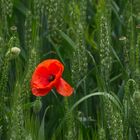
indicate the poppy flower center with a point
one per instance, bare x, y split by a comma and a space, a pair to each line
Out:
51, 78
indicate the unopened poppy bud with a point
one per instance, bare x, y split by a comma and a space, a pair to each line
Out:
138, 26
1, 39
13, 52
136, 96
122, 38
13, 28
37, 106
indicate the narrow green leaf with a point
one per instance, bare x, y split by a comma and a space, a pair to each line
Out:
67, 40
112, 98
57, 50
41, 134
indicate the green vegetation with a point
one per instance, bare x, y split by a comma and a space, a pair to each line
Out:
98, 41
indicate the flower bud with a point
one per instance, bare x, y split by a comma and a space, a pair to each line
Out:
37, 106
13, 28
13, 52
122, 38
136, 96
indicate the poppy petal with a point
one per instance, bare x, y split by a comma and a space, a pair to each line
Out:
64, 88
39, 78
40, 92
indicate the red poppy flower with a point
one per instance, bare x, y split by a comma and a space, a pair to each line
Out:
48, 75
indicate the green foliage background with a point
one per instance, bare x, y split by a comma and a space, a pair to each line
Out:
98, 41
